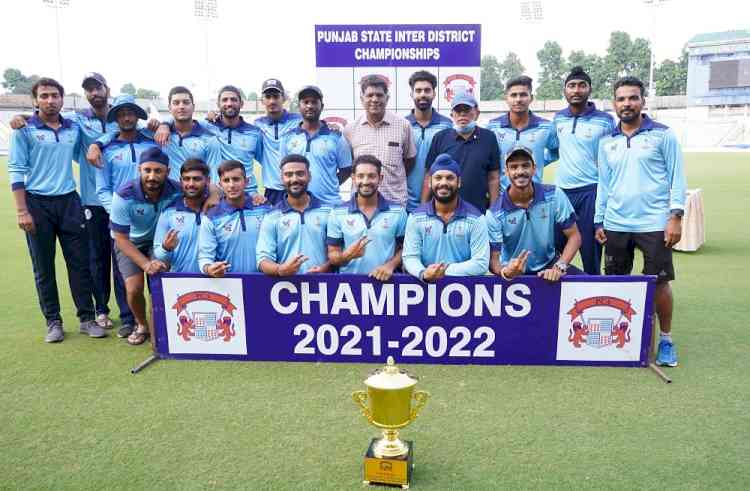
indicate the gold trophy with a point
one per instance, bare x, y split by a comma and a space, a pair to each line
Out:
387, 405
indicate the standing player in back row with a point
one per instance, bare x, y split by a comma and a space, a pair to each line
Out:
641, 201
579, 128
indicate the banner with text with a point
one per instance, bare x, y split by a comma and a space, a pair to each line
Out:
582, 320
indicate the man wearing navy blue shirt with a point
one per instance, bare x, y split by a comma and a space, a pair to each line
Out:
578, 129
523, 221
476, 151
327, 150
447, 236
641, 201
49, 208
366, 234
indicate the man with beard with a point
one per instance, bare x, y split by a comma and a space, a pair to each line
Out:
293, 235
447, 236
522, 223
136, 207
476, 151
176, 236
367, 218
425, 123
579, 128
274, 125
40, 167
388, 137
229, 233
641, 200
327, 150
522, 127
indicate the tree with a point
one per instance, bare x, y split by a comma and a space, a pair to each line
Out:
552, 76
510, 68
626, 57
128, 88
15, 82
595, 66
670, 78
142, 93
252, 96
490, 79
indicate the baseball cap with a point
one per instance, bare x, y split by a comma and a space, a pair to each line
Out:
154, 154
463, 99
125, 100
519, 149
310, 90
93, 76
272, 84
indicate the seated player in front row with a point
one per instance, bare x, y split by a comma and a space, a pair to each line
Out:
229, 233
365, 235
522, 221
446, 236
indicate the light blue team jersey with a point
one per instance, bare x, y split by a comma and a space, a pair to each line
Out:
198, 144
41, 159
328, 151
273, 131
181, 218
231, 234
641, 179
538, 136
513, 229
119, 165
243, 143
136, 216
462, 242
385, 230
422, 140
578, 139
286, 232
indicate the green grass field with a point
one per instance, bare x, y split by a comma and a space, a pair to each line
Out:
73, 417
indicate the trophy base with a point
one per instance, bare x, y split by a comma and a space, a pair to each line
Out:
391, 471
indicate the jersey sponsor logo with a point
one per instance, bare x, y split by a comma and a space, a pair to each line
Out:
297, 145
608, 326
140, 211
286, 222
206, 316
458, 83
512, 220
350, 222
228, 227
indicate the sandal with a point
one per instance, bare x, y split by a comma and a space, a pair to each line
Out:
139, 335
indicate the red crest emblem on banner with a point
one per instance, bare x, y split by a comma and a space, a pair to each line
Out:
210, 323
610, 325
336, 123
457, 83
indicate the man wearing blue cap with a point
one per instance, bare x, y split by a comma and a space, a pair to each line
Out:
447, 236
523, 221
474, 148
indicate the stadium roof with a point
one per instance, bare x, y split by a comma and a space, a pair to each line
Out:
720, 37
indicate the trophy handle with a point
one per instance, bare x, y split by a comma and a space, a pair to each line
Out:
421, 397
360, 397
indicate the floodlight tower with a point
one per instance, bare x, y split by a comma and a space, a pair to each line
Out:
207, 10
652, 5
57, 5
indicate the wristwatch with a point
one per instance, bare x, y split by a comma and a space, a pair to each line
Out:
677, 212
562, 266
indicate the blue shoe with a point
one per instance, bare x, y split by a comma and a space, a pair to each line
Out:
667, 354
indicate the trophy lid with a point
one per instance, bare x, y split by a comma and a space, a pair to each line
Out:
390, 377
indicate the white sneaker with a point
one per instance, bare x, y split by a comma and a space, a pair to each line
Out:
104, 321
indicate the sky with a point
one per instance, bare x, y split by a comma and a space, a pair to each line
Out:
157, 45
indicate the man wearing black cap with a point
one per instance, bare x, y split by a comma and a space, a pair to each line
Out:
579, 128
327, 150
275, 124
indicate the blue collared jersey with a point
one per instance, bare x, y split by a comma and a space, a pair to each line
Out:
198, 144
328, 151
134, 215
185, 221
578, 139
462, 242
243, 143
286, 232
641, 179
273, 131
91, 129
231, 234
41, 159
513, 229
119, 165
385, 230
538, 136
422, 140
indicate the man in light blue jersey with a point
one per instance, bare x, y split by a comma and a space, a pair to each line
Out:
136, 207
522, 223
522, 127
446, 236
229, 233
176, 236
293, 235
641, 201
275, 124
327, 150
40, 168
579, 128
366, 234
425, 122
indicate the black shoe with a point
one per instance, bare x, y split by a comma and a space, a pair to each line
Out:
125, 331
